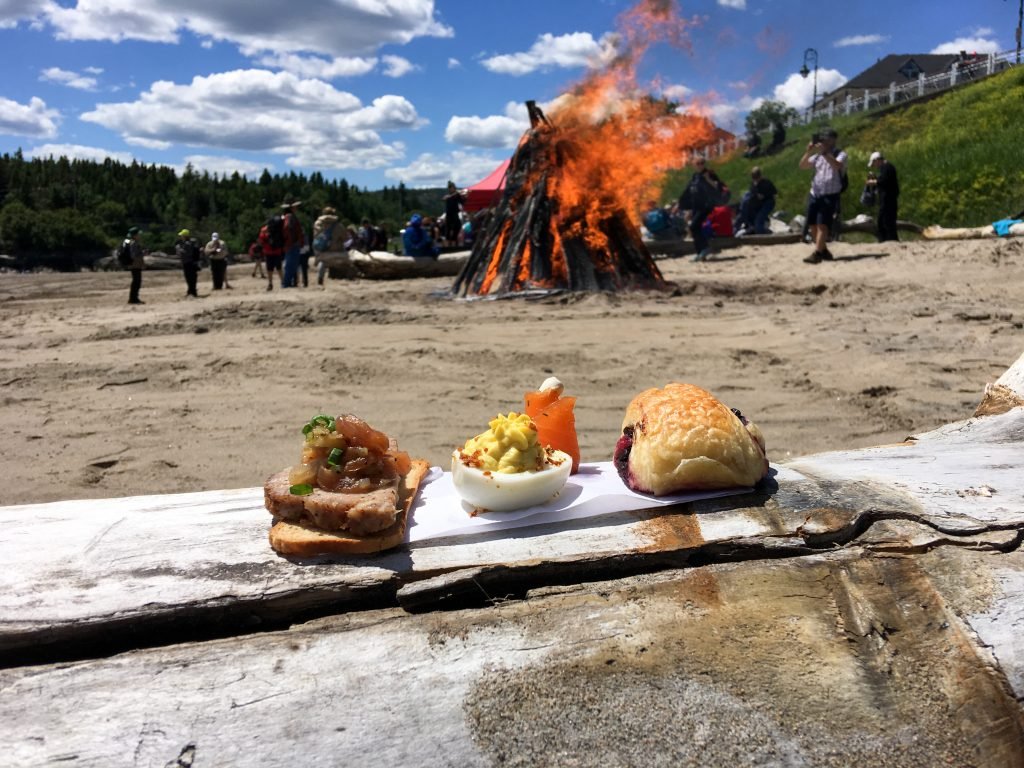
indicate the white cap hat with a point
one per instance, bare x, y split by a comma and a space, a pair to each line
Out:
874, 156
215, 236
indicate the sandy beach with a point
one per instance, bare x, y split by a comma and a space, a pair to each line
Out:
102, 399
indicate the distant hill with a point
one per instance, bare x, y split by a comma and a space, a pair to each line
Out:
959, 156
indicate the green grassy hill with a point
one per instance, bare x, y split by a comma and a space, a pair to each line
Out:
959, 156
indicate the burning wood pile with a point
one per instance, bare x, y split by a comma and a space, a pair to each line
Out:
534, 242
569, 218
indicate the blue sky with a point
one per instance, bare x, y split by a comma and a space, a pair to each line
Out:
417, 91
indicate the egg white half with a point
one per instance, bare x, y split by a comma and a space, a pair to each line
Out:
500, 492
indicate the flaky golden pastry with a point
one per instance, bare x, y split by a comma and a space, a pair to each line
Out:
682, 438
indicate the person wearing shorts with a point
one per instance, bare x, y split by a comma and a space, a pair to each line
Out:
273, 257
829, 166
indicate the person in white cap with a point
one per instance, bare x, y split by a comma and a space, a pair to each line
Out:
887, 188
217, 252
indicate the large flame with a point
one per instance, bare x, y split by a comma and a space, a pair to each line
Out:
602, 154
622, 139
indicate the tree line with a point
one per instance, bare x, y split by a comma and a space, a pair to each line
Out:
66, 213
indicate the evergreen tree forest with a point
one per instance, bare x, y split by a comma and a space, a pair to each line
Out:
67, 213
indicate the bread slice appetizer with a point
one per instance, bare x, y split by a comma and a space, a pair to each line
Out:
351, 493
682, 438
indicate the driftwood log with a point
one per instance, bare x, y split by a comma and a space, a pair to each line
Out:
381, 265
935, 232
861, 606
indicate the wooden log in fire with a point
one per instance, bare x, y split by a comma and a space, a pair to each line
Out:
538, 240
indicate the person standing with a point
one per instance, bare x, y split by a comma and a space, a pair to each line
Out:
187, 249
829, 166
138, 263
326, 237
217, 252
453, 202
294, 239
887, 188
256, 257
703, 192
271, 238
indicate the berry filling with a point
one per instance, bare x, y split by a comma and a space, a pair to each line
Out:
621, 456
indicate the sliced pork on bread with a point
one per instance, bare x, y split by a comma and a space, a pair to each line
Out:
326, 522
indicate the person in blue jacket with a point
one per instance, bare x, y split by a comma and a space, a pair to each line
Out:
416, 241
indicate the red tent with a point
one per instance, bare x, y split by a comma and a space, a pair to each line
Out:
486, 193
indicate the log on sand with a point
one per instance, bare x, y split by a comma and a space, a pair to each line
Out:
381, 265
935, 232
860, 606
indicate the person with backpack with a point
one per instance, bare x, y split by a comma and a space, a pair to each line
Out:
703, 193
294, 239
827, 185
187, 249
130, 254
271, 239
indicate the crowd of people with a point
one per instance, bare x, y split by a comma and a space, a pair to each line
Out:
704, 209
284, 247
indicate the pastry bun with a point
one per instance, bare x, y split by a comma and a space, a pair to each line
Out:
682, 438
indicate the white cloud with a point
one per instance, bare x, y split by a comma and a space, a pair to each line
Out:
492, 131
731, 114
396, 66
314, 66
739, 5
578, 49
797, 91
308, 121
978, 43
430, 170
78, 152
454, 64
33, 119
329, 27
13, 11
677, 92
223, 166
846, 42
68, 78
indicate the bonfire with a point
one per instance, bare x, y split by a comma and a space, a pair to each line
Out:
569, 217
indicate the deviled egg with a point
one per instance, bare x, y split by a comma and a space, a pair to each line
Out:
506, 468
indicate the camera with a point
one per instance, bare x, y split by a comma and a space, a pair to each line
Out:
815, 138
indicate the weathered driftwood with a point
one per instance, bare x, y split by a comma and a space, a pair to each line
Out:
935, 232
864, 606
381, 265
196, 561
834, 659
865, 223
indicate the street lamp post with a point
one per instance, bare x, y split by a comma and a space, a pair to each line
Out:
811, 55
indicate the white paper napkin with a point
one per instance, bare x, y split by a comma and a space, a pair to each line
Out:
595, 490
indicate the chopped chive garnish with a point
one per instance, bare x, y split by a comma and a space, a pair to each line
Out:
334, 457
307, 429
302, 489
321, 419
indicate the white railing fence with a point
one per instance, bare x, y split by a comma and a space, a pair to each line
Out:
964, 71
